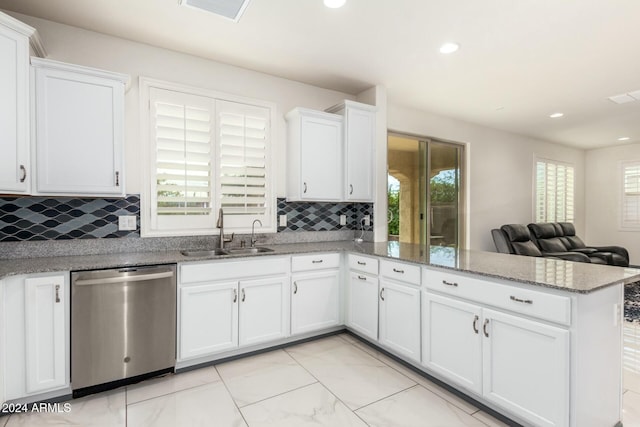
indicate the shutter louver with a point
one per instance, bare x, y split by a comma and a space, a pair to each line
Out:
243, 162
554, 192
183, 159
631, 196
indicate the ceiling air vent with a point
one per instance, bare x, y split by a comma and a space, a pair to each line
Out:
230, 9
623, 98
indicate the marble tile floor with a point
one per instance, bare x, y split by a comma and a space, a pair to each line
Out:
335, 381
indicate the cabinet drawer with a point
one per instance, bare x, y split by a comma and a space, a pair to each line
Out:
208, 271
399, 271
542, 305
315, 262
363, 263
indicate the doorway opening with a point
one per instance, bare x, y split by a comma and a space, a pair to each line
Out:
424, 191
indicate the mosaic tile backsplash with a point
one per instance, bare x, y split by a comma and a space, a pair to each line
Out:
64, 218
305, 216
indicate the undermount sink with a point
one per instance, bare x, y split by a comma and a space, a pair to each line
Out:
201, 253
255, 250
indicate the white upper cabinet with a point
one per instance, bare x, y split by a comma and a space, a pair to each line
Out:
359, 149
79, 129
314, 156
15, 169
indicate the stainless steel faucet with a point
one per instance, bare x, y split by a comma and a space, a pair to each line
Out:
220, 225
253, 225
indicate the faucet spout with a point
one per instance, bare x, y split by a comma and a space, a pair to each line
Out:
253, 229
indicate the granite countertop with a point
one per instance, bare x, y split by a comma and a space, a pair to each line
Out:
546, 272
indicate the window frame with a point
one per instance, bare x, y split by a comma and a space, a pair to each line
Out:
622, 224
148, 227
538, 159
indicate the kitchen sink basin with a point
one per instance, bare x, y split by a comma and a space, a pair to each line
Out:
205, 253
256, 250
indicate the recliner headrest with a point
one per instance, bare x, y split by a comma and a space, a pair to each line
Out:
516, 232
544, 230
567, 228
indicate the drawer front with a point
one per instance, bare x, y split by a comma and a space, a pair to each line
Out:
542, 305
208, 271
399, 271
363, 263
315, 262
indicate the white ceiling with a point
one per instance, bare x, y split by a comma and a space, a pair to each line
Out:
520, 60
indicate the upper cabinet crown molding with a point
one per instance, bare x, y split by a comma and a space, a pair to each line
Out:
35, 42
347, 103
50, 64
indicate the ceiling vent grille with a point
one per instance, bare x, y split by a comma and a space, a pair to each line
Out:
623, 98
230, 9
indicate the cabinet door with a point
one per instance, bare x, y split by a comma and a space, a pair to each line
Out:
400, 318
208, 319
264, 313
451, 340
363, 304
360, 141
14, 111
45, 331
526, 368
79, 133
315, 301
321, 159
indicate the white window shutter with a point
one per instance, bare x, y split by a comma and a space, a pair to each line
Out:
554, 197
630, 209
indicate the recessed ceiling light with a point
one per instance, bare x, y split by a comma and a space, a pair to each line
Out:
556, 115
334, 4
449, 47
624, 138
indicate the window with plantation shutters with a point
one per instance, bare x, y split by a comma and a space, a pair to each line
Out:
554, 191
205, 151
630, 209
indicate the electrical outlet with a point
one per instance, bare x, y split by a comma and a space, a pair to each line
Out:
367, 220
283, 220
127, 223
343, 220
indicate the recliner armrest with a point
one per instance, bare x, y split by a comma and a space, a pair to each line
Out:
586, 251
568, 256
615, 249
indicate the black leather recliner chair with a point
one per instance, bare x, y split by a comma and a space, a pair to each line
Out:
562, 236
516, 239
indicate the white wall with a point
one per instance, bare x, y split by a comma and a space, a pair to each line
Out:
78, 46
603, 194
500, 170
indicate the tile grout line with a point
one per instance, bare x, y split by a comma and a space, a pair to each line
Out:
231, 395
386, 397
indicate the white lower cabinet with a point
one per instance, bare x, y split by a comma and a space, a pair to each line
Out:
219, 316
519, 364
362, 312
36, 319
400, 318
315, 301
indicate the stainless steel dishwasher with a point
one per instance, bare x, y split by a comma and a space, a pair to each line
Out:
123, 326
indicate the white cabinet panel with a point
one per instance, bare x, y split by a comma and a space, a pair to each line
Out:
315, 301
362, 312
400, 318
208, 319
79, 129
264, 310
452, 343
526, 368
46, 343
14, 110
315, 262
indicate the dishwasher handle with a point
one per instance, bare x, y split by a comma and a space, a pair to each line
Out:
123, 279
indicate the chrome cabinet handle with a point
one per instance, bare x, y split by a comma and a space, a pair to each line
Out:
117, 179
317, 261
524, 301
398, 271
24, 173
350, 189
454, 284
295, 288
362, 277
57, 293
305, 187
243, 295
362, 263
475, 324
235, 295
484, 328
382, 294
